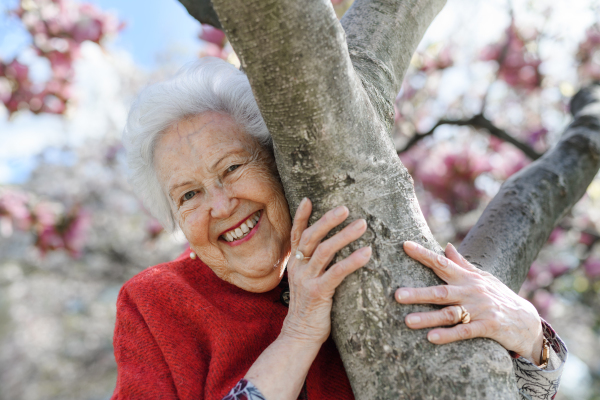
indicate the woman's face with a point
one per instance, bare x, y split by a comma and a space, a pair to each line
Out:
225, 195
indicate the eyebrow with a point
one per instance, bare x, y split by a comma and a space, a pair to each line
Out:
214, 166
177, 185
233, 153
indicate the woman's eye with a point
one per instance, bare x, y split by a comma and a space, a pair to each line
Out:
233, 168
189, 195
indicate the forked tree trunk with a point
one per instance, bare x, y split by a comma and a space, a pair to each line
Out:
326, 91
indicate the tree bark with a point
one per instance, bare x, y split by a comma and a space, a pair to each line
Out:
328, 104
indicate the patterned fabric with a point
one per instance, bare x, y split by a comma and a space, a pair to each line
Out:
244, 390
541, 384
533, 383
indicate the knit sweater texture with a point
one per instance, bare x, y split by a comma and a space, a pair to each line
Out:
183, 333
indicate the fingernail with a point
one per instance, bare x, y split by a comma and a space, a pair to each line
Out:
365, 252
402, 294
433, 337
413, 319
410, 245
303, 202
358, 225
339, 211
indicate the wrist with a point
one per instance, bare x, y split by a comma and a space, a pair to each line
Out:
298, 335
535, 354
293, 340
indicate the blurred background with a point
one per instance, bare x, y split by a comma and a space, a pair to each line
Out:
487, 92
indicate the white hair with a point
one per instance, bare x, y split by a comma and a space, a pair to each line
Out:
210, 84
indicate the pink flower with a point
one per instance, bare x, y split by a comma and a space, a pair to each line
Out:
517, 66
154, 228
14, 206
212, 35
589, 68
592, 267
48, 239
88, 29
74, 230
67, 231
449, 175
19, 72
507, 160
586, 239
543, 300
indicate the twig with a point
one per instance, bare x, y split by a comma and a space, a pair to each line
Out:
477, 122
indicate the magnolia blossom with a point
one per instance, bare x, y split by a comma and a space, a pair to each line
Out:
57, 27
517, 65
53, 227
588, 55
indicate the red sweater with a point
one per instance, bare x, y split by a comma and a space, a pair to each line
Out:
183, 333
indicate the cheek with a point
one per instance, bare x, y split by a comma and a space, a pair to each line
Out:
193, 223
283, 220
267, 189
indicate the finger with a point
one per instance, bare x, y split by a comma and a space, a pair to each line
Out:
458, 259
325, 252
300, 221
458, 332
336, 274
444, 317
443, 295
443, 267
312, 236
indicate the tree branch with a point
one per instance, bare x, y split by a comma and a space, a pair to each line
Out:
203, 11
382, 36
478, 122
518, 221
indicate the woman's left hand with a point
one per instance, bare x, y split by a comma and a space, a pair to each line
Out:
496, 311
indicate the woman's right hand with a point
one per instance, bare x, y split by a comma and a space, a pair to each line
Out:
311, 286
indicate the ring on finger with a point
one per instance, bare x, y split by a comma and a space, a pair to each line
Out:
301, 256
465, 316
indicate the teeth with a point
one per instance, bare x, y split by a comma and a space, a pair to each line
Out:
243, 229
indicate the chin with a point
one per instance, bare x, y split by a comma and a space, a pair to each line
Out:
265, 281
260, 285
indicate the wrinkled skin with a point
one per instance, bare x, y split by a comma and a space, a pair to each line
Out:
496, 311
215, 176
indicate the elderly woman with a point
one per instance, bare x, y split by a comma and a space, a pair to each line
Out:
225, 319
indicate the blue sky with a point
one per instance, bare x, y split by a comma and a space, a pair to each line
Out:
154, 28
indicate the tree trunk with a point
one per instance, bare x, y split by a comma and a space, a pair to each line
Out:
328, 103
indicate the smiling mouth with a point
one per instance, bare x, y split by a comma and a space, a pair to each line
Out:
243, 229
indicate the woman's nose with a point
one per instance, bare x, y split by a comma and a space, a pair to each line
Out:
222, 205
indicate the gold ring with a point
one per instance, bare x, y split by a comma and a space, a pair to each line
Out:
465, 316
301, 256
